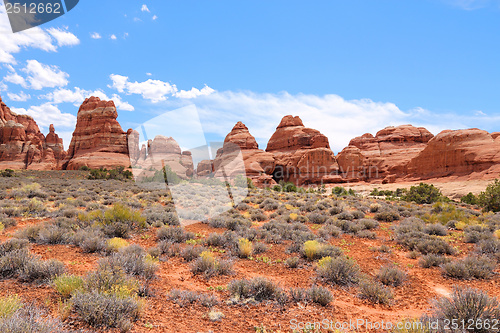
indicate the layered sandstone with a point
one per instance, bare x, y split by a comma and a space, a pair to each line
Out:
98, 140
23, 146
302, 154
471, 152
384, 156
240, 154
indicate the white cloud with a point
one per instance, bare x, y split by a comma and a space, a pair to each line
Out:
95, 35
155, 17
64, 37
47, 114
149, 74
78, 95
113, 37
194, 92
44, 76
21, 97
16, 79
37, 38
144, 8
155, 90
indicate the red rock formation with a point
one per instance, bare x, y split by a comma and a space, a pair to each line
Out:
205, 168
98, 139
471, 152
240, 141
385, 155
23, 146
161, 152
303, 155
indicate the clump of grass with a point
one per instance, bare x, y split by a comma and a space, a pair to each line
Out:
320, 295
375, 292
292, 262
245, 248
9, 305
259, 288
115, 244
313, 250
67, 284
341, 270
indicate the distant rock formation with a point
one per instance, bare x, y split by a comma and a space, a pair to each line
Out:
302, 154
160, 152
255, 160
98, 140
471, 152
23, 146
383, 156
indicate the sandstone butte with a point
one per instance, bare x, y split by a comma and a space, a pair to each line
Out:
294, 152
23, 146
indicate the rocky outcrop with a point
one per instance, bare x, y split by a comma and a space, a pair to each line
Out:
163, 151
98, 140
205, 168
255, 161
384, 156
471, 152
302, 154
23, 146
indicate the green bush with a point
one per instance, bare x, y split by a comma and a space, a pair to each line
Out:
7, 173
423, 194
469, 199
490, 198
67, 285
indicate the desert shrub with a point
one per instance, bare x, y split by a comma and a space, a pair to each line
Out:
436, 229
387, 216
41, 271
317, 218
368, 224
469, 199
30, 319
209, 266
391, 276
469, 306
105, 310
366, 234
490, 198
132, 260
410, 234
434, 245
432, 260
259, 288
374, 207
92, 243
190, 253
30, 233
328, 231
174, 234
7, 173
469, 268
490, 248
375, 292
160, 217
269, 204
186, 297
115, 244
67, 285
259, 247
313, 250
292, 262
340, 270
423, 194
245, 248
319, 295
477, 233
12, 262
13, 245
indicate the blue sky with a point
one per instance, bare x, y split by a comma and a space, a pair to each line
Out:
345, 67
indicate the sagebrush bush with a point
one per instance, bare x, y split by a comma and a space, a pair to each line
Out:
313, 250
132, 260
489, 248
432, 260
209, 266
470, 306
387, 216
67, 284
473, 267
292, 262
174, 234
106, 310
9, 305
340, 270
30, 319
375, 292
37, 270
391, 276
259, 288
319, 295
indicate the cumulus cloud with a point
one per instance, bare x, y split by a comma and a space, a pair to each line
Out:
154, 18
95, 35
44, 76
144, 8
37, 38
15, 78
21, 97
154, 90
63, 37
78, 95
47, 114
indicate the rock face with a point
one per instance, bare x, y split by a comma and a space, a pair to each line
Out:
240, 141
163, 151
23, 146
384, 156
98, 139
302, 154
458, 153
